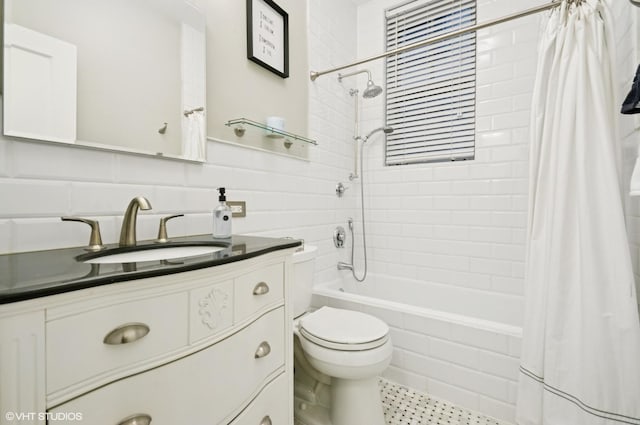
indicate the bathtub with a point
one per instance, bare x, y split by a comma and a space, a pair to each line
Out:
457, 344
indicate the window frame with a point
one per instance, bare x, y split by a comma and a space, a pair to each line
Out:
431, 143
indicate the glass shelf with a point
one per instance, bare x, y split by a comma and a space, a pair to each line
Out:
239, 129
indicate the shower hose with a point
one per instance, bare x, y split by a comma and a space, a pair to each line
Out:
364, 232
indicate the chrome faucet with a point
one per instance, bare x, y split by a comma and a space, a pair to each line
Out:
128, 232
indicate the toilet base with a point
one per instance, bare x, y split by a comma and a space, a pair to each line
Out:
310, 414
356, 401
352, 402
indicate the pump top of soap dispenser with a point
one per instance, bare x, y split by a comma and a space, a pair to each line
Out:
222, 196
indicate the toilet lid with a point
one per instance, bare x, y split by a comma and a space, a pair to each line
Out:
344, 329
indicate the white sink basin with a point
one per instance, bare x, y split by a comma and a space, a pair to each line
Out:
156, 254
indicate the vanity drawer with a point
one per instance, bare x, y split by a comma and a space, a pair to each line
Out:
270, 407
77, 348
255, 290
203, 388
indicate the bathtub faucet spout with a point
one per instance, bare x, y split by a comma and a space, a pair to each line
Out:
344, 266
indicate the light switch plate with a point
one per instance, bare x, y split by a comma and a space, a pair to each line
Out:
238, 208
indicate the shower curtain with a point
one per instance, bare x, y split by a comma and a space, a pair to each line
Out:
194, 138
580, 361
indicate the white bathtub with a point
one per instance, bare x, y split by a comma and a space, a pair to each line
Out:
457, 344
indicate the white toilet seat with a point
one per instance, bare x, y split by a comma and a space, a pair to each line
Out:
343, 347
343, 330
345, 344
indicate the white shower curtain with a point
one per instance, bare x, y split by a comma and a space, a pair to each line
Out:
580, 361
194, 138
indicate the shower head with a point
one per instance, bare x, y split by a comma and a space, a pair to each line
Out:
372, 90
387, 130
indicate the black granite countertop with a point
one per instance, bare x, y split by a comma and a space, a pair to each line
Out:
36, 274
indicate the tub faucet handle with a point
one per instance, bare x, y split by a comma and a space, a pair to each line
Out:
339, 237
162, 230
95, 240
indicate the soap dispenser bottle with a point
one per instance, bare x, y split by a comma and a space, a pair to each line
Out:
222, 217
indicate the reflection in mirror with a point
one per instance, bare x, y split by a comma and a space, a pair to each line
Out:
115, 74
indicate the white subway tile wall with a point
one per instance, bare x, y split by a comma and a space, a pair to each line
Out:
471, 215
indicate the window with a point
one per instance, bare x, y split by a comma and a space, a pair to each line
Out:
430, 96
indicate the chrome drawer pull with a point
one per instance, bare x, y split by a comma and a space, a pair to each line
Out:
261, 289
266, 421
125, 334
137, 419
263, 350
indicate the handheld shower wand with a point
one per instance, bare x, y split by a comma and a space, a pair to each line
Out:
350, 266
387, 130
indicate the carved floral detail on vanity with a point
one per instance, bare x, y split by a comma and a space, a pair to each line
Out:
212, 308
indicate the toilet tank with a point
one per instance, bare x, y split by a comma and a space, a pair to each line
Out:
303, 269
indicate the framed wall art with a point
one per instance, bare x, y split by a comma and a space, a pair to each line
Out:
268, 36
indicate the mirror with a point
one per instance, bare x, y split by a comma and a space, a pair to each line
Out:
114, 74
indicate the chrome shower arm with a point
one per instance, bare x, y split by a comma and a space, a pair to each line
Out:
351, 74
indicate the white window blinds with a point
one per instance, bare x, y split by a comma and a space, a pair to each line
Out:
430, 96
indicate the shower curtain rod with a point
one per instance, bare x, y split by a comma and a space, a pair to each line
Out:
315, 74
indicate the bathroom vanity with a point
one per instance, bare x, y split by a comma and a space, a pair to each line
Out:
201, 340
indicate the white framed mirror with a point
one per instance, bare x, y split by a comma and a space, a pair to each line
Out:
111, 74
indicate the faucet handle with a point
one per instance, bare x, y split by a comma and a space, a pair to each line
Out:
95, 240
162, 231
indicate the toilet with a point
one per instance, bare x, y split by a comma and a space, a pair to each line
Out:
338, 355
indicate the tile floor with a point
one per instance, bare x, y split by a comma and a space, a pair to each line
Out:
404, 406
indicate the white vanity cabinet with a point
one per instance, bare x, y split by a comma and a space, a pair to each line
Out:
209, 346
